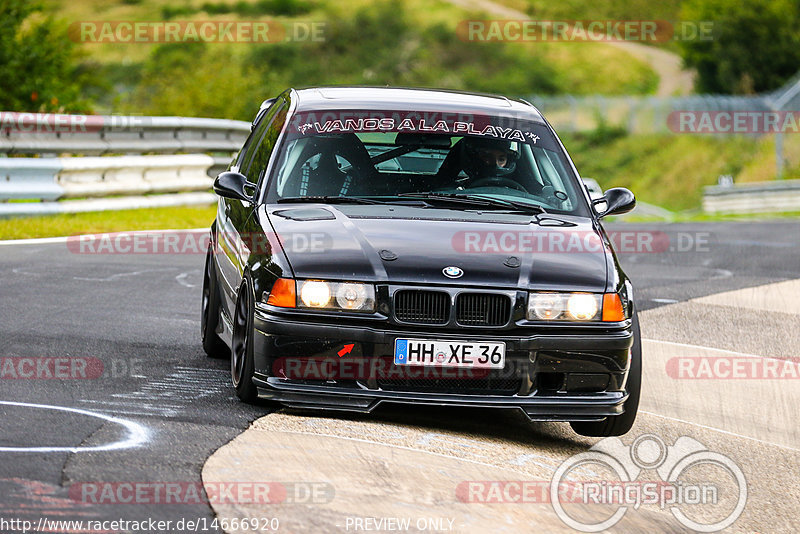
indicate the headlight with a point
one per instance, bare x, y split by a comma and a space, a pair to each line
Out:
315, 294
577, 307
545, 306
582, 307
345, 296
351, 296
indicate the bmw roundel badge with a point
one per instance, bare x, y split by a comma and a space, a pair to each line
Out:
452, 272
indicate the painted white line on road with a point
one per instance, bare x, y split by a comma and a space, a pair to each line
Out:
721, 273
37, 241
702, 347
713, 429
739, 404
780, 297
120, 275
181, 278
137, 434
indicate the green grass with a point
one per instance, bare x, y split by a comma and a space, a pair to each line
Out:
698, 216
107, 221
606, 10
594, 10
671, 170
722, 217
407, 42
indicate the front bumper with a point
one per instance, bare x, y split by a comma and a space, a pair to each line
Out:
562, 375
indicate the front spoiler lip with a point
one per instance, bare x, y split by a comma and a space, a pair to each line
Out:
614, 338
584, 407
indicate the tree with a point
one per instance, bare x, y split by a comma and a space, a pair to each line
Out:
39, 65
755, 45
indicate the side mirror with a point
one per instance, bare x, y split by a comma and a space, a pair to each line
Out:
234, 185
618, 200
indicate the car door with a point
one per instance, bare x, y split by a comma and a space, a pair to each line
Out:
232, 214
258, 243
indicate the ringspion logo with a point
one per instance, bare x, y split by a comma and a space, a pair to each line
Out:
691, 478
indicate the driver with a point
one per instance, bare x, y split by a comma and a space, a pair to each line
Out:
483, 158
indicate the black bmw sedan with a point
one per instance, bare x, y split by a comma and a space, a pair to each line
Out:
385, 245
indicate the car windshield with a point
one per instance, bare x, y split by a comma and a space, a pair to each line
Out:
405, 157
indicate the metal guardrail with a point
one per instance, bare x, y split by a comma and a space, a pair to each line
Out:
756, 197
186, 178
50, 179
113, 134
179, 179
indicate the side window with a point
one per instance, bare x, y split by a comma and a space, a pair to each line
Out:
247, 149
246, 155
266, 145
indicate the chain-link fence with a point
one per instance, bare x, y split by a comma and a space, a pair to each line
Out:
774, 113
637, 114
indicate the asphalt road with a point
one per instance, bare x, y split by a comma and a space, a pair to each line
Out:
132, 323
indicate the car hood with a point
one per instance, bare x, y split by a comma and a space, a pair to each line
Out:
410, 245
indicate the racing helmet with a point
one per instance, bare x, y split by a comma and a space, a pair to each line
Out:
488, 157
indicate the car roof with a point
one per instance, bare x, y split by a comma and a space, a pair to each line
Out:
412, 99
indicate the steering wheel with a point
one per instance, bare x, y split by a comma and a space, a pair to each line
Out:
499, 181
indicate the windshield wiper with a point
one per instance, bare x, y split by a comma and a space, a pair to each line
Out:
474, 200
332, 200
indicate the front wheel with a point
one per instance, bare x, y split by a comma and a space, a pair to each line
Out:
618, 425
242, 361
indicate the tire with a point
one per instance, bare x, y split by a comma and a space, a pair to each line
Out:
618, 425
213, 345
242, 361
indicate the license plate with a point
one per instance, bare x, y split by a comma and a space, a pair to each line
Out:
480, 354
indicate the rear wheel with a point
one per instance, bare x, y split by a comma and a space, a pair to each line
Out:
242, 361
209, 317
620, 424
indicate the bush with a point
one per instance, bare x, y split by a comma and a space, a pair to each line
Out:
286, 8
378, 44
194, 80
755, 45
39, 65
381, 45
